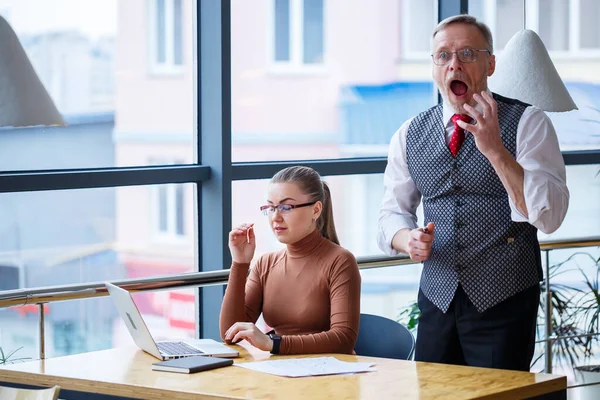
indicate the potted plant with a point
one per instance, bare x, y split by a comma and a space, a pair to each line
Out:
576, 318
8, 357
409, 317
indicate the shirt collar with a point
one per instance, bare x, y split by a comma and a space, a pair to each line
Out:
449, 110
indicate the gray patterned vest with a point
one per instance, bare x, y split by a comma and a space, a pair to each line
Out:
476, 243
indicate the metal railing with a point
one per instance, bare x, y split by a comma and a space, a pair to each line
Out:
42, 295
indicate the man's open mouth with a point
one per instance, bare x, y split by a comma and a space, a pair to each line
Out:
459, 88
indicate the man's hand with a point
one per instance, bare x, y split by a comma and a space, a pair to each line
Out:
485, 128
416, 243
249, 332
486, 132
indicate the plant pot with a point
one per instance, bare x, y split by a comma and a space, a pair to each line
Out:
588, 374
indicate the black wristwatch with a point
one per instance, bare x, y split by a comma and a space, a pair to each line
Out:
276, 342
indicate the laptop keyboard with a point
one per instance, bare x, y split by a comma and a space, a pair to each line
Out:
177, 349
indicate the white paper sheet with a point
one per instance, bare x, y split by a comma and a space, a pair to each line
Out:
298, 367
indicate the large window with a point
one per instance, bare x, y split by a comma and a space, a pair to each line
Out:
63, 237
121, 74
349, 108
92, 58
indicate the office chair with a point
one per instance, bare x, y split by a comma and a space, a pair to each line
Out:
382, 337
8, 393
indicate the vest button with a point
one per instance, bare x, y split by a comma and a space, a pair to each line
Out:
459, 224
457, 188
459, 203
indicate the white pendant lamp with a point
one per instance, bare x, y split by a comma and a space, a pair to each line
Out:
524, 71
23, 99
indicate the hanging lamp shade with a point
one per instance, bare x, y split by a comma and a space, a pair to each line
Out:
524, 71
23, 99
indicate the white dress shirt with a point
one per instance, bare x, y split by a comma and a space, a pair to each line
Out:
537, 151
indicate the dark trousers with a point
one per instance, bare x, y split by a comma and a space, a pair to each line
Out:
503, 336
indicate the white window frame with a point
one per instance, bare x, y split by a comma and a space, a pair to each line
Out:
170, 235
532, 22
406, 31
168, 67
295, 65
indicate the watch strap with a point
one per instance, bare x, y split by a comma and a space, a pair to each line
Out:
276, 342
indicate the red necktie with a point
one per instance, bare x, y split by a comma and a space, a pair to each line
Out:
458, 136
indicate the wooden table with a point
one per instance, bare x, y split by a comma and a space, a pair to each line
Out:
126, 372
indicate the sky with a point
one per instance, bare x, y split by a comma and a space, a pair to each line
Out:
94, 18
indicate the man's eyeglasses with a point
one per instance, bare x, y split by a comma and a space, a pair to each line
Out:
283, 208
466, 55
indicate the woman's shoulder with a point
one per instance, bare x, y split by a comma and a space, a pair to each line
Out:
338, 255
267, 261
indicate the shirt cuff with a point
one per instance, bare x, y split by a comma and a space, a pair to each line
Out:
536, 193
388, 230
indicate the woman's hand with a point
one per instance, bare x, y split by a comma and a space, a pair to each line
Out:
242, 243
249, 332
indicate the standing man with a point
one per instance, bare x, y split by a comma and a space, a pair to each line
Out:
485, 194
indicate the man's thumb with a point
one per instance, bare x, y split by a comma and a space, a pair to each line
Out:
430, 227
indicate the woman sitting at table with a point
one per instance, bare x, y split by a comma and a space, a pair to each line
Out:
309, 292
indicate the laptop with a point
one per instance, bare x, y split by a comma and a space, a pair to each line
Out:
163, 350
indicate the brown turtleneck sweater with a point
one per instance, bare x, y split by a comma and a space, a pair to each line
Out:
309, 293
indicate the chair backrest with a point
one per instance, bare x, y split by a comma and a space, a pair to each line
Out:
382, 337
8, 393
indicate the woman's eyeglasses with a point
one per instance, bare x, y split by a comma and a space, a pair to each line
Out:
283, 208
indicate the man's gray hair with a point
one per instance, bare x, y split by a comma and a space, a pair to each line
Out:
469, 20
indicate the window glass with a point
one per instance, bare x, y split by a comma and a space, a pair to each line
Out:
356, 203
589, 29
282, 30
313, 31
177, 32
80, 326
161, 34
509, 20
342, 91
120, 72
64, 237
552, 19
418, 19
554, 24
